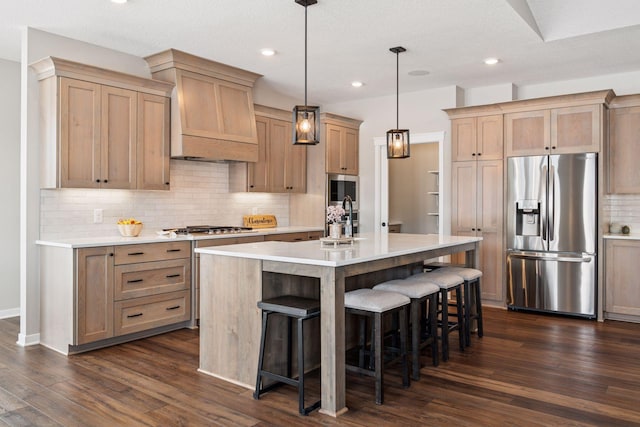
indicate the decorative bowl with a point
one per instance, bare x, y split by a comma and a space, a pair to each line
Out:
130, 230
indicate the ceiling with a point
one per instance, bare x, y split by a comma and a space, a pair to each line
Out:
536, 40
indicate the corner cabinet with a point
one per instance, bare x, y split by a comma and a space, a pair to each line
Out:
477, 138
341, 135
281, 166
101, 128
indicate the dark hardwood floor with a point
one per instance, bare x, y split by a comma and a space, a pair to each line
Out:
528, 370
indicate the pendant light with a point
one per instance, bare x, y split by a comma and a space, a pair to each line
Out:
398, 139
306, 118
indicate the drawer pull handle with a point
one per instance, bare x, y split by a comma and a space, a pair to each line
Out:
175, 307
174, 250
135, 281
134, 315
136, 253
169, 276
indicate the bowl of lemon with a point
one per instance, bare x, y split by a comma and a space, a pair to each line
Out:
130, 227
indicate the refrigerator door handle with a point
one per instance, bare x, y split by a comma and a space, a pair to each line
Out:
551, 202
544, 256
543, 216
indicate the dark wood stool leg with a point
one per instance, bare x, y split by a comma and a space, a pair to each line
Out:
403, 347
415, 338
467, 313
461, 325
444, 330
478, 301
433, 327
378, 357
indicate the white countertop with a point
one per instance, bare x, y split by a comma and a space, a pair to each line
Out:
153, 237
366, 247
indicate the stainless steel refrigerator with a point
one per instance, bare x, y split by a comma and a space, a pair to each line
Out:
551, 233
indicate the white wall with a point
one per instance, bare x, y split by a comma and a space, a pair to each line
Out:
10, 187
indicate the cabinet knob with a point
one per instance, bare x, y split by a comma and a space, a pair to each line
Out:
473, 229
479, 229
97, 180
105, 181
473, 154
384, 224
111, 254
166, 183
553, 148
251, 186
479, 154
546, 148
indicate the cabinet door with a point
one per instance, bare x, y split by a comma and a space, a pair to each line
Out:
79, 133
94, 304
279, 142
527, 133
489, 137
489, 223
463, 139
575, 129
153, 142
258, 178
463, 198
349, 151
623, 153
118, 128
333, 136
296, 168
621, 277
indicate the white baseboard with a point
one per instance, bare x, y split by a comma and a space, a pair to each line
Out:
26, 340
11, 312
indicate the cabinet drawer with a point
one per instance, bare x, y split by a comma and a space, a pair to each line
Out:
140, 314
151, 278
287, 237
144, 252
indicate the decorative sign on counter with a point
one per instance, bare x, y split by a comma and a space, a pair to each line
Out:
259, 221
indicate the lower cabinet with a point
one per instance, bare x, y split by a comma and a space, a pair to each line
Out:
622, 289
131, 288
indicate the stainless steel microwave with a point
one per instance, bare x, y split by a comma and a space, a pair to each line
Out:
340, 186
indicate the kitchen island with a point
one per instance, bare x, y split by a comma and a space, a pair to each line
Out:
234, 278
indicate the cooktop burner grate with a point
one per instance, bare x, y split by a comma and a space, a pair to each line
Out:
209, 229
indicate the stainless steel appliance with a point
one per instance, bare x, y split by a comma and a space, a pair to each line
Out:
338, 188
551, 233
210, 229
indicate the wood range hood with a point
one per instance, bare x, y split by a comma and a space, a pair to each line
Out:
212, 116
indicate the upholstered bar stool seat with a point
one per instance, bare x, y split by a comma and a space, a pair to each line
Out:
446, 282
293, 307
472, 298
373, 304
418, 292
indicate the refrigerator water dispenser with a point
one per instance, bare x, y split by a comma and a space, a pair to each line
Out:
528, 218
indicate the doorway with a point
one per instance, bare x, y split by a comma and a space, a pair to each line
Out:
411, 170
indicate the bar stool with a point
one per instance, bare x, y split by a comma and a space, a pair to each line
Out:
292, 307
472, 298
419, 293
446, 282
373, 304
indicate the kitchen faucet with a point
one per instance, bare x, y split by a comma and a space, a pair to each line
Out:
348, 229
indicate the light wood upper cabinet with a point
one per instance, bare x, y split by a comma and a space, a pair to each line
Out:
565, 130
212, 107
622, 296
153, 151
101, 128
478, 138
623, 151
341, 136
281, 166
94, 303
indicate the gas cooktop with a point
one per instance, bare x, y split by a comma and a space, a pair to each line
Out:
209, 229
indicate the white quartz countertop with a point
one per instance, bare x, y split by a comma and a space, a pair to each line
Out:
366, 247
153, 237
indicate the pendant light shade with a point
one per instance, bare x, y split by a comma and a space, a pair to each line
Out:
397, 139
306, 118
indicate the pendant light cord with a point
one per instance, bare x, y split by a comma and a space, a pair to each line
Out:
305, 55
397, 90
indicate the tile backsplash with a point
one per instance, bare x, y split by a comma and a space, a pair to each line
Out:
623, 209
199, 195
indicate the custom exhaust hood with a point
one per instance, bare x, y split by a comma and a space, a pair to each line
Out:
212, 116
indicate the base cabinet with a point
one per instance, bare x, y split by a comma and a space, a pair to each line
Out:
622, 289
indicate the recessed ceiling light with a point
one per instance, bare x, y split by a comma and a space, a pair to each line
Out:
267, 51
119, 1
357, 84
491, 61
418, 73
